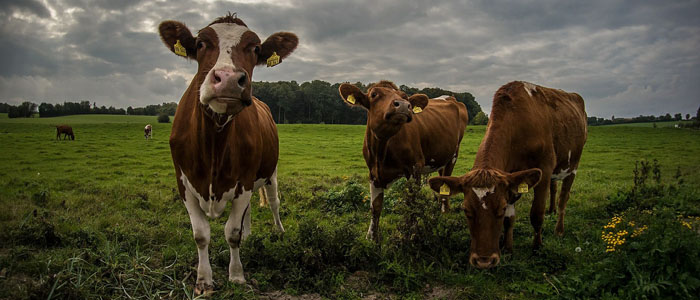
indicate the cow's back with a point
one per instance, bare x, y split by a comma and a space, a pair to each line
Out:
539, 119
440, 127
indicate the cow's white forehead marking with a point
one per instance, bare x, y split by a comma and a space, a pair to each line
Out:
481, 193
529, 88
443, 97
229, 35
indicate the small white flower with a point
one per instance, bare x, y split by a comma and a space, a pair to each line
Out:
578, 249
37, 173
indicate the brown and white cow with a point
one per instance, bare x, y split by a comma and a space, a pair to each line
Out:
224, 141
405, 136
535, 135
66, 131
147, 131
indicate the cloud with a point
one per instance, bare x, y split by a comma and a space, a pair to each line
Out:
624, 57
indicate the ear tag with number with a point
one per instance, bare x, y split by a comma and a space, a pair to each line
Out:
351, 99
179, 49
444, 189
273, 60
417, 109
522, 188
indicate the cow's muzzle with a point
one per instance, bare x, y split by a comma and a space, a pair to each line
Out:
484, 262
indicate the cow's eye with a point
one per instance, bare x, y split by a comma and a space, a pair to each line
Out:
373, 95
256, 50
200, 45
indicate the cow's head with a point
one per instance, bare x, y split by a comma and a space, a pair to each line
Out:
387, 107
489, 196
226, 52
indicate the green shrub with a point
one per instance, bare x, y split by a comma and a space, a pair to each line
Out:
344, 199
163, 118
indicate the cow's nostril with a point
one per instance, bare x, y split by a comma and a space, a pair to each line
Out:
396, 103
217, 79
242, 81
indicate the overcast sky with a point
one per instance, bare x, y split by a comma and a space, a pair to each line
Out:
625, 58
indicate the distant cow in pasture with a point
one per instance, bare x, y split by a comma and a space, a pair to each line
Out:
65, 130
405, 136
147, 131
224, 142
535, 137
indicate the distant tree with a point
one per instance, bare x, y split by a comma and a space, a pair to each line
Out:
25, 110
678, 117
687, 117
129, 110
163, 118
480, 119
4, 107
697, 114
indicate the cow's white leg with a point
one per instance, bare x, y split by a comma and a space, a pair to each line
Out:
273, 200
237, 229
201, 231
377, 195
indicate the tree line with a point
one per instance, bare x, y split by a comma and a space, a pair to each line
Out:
593, 121
310, 102
28, 109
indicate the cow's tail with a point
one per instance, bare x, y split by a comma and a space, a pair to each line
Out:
263, 197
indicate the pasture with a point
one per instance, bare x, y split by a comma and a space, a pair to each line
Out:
100, 217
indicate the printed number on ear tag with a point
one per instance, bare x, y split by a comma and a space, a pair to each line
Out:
417, 109
522, 188
351, 99
273, 60
179, 49
445, 190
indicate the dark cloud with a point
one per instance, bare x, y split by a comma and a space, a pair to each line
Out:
624, 57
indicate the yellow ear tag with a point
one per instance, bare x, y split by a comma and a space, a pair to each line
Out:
351, 99
179, 49
444, 189
417, 109
522, 188
273, 60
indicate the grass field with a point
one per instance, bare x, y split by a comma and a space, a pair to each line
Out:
99, 217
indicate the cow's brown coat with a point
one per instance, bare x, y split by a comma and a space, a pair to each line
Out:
393, 148
533, 132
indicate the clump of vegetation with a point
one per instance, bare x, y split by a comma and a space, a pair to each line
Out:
163, 118
344, 199
650, 242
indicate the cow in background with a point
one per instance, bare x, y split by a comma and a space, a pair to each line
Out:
224, 142
405, 136
147, 131
66, 131
534, 138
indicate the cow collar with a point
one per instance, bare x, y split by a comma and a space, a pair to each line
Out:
217, 117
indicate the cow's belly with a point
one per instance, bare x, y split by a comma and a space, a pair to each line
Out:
214, 207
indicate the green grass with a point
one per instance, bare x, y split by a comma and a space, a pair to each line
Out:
100, 216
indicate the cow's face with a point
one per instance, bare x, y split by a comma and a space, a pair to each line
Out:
489, 197
387, 108
226, 52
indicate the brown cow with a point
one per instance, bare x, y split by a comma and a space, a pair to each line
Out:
535, 134
405, 136
224, 141
65, 130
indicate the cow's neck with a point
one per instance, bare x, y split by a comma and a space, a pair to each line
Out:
378, 138
495, 151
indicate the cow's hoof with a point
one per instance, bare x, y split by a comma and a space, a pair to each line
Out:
559, 231
237, 279
203, 289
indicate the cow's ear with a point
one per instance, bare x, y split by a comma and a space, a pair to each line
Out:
446, 185
522, 181
353, 96
280, 44
418, 101
178, 39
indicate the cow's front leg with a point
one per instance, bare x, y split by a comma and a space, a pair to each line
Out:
377, 195
236, 230
201, 231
